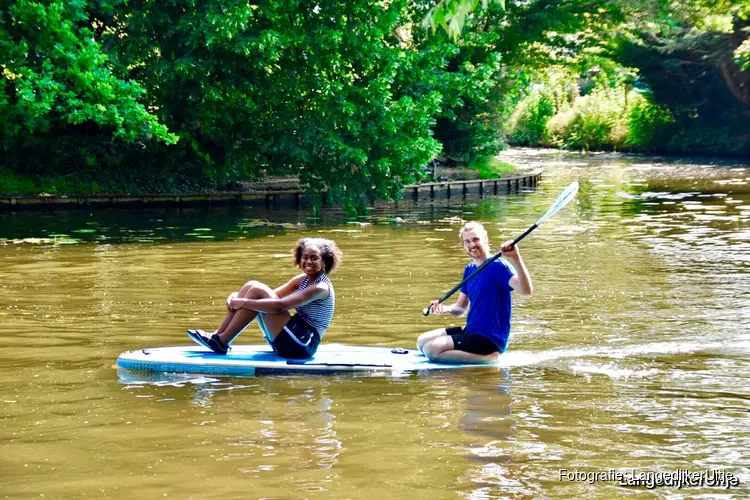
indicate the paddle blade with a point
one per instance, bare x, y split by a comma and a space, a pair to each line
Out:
568, 194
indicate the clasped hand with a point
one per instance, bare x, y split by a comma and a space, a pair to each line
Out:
233, 303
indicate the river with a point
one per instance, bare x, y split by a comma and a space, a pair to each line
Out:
631, 357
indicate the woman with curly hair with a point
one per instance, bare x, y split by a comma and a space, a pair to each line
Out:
310, 294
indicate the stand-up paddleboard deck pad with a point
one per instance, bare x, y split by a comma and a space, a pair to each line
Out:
249, 360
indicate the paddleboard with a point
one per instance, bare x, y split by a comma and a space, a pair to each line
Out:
250, 360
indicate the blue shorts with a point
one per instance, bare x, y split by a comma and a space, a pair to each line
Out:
471, 342
297, 340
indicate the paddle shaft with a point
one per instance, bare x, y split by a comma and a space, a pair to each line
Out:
481, 268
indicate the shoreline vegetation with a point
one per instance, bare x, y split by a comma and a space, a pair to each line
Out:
282, 191
356, 99
440, 169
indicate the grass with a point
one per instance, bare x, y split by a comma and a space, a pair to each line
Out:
14, 184
492, 168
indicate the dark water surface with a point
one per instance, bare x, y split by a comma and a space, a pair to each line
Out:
633, 353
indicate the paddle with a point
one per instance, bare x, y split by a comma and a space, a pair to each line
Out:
568, 194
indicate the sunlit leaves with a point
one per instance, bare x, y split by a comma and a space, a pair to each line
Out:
451, 15
58, 74
742, 55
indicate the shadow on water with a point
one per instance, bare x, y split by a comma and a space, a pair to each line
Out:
224, 223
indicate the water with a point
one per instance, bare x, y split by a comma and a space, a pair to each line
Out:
631, 355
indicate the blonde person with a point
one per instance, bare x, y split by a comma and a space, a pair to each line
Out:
311, 294
487, 297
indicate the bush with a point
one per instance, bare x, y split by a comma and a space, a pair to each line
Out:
649, 125
528, 124
599, 120
12, 183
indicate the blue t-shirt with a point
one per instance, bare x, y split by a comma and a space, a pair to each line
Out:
490, 302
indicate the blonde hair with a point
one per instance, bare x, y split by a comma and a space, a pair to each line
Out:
476, 227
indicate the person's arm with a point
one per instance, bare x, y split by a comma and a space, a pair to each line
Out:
282, 291
459, 308
289, 287
281, 304
521, 282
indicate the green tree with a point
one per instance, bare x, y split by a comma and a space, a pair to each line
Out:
692, 73
62, 104
287, 87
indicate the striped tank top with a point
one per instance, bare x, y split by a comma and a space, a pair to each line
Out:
318, 313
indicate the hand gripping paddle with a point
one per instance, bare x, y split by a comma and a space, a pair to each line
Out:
568, 194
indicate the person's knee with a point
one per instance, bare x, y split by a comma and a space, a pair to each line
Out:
246, 288
256, 290
424, 338
431, 349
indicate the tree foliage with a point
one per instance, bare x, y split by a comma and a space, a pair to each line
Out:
59, 82
451, 15
692, 72
319, 90
685, 58
355, 97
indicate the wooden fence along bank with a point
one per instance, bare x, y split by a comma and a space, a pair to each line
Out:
268, 198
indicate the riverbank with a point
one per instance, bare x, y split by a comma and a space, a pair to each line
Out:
272, 192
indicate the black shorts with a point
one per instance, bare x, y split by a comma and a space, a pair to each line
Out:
297, 340
471, 342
